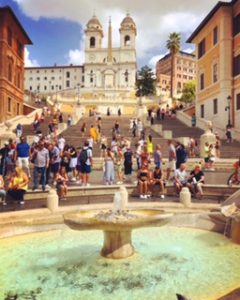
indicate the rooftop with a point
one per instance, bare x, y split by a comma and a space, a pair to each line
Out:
8, 9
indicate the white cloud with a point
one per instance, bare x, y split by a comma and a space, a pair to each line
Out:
76, 57
152, 62
155, 19
28, 61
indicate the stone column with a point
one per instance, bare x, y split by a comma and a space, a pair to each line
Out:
52, 201
207, 137
185, 197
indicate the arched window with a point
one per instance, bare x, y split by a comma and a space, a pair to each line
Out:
92, 42
127, 40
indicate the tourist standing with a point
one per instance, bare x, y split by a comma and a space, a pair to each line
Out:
128, 164
171, 159
19, 130
69, 121
229, 135
181, 154
85, 159
194, 120
150, 145
158, 156
23, 154
109, 175
40, 158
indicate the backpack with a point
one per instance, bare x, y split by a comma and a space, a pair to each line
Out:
83, 157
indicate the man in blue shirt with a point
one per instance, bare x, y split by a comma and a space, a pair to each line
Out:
22, 155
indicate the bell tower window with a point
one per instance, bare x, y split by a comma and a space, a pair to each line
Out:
92, 42
127, 40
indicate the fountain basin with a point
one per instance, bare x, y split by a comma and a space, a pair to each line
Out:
117, 227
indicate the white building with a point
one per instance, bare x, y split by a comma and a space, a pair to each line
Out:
107, 72
53, 79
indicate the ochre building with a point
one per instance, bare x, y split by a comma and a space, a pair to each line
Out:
12, 40
217, 41
184, 71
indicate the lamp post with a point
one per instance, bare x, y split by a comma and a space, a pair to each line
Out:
228, 108
78, 93
140, 98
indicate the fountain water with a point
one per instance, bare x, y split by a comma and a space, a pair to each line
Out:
117, 224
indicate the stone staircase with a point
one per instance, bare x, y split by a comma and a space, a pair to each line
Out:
179, 129
73, 134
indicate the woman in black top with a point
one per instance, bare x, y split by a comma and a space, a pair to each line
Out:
143, 181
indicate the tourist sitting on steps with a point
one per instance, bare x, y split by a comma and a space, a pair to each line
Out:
196, 181
18, 185
144, 181
157, 179
62, 179
180, 178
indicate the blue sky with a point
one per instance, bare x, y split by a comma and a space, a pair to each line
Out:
56, 27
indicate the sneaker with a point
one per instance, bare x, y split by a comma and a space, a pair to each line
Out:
78, 181
88, 184
162, 197
145, 196
141, 196
73, 179
21, 202
47, 187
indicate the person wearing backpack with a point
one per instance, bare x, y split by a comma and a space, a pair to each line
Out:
85, 160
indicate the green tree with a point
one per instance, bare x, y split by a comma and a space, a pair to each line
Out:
173, 45
189, 92
145, 82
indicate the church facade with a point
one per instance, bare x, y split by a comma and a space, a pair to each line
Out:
108, 72
112, 70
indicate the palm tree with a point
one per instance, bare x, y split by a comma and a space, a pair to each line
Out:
173, 45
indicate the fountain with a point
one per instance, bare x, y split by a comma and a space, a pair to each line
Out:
117, 224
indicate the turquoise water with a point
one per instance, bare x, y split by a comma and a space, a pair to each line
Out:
66, 265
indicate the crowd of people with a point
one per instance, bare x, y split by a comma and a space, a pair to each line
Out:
50, 161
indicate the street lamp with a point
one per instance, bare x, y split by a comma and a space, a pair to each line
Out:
228, 108
78, 93
140, 98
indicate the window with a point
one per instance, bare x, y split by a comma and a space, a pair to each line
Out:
18, 79
215, 73
52, 87
59, 87
68, 75
82, 78
236, 25
238, 102
30, 88
45, 78
18, 109
127, 40
215, 35
202, 111
38, 78
52, 71
38, 71
67, 83
215, 106
236, 65
202, 81
52, 78
9, 104
126, 75
201, 48
92, 42
10, 73
19, 49
9, 37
